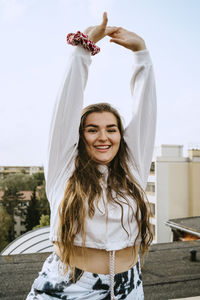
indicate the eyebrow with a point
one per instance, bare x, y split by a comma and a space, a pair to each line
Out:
96, 126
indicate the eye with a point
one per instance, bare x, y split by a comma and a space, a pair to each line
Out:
92, 130
112, 130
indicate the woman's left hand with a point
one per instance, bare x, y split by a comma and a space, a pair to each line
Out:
127, 39
96, 33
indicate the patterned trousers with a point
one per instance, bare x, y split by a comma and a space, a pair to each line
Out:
52, 284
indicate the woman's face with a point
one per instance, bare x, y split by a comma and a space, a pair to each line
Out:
102, 136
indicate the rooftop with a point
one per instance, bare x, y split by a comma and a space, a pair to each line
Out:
168, 272
33, 241
190, 225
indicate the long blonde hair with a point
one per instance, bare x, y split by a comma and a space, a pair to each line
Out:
84, 185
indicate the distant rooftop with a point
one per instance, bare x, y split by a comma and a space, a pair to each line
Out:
168, 272
190, 225
34, 241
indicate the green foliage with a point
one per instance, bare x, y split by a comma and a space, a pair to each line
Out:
44, 203
32, 213
6, 220
12, 185
21, 182
38, 178
44, 221
10, 201
11, 198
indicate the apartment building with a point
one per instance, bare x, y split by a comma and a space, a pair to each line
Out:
173, 188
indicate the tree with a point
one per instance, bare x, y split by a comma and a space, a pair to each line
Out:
38, 178
21, 182
5, 226
44, 203
11, 199
33, 212
44, 221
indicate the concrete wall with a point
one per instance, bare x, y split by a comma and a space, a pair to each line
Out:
178, 190
162, 207
194, 185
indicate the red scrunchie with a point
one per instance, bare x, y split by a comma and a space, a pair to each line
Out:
80, 38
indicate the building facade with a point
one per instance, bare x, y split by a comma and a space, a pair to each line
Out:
173, 188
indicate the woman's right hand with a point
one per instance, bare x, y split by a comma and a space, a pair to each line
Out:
127, 39
96, 33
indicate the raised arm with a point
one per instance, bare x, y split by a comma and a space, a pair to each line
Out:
64, 129
140, 133
64, 135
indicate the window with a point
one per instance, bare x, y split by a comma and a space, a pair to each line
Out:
152, 169
153, 228
152, 208
150, 187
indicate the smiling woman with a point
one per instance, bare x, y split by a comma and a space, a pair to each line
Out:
96, 173
102, 136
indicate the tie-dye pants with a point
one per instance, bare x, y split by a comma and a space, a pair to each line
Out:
52, 284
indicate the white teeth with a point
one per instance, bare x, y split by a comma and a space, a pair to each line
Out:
102, 147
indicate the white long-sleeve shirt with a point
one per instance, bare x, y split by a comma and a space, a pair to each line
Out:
63, 142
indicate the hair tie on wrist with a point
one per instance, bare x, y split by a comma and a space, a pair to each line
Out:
80, 38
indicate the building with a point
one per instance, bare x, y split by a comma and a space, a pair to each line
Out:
6, 170
33, 241
185, 229
173, 188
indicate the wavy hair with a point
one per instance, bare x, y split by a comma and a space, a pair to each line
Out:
84, 187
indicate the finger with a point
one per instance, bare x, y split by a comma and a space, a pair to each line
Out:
114, 34
112, 27
111, 30
105, 20
117, 41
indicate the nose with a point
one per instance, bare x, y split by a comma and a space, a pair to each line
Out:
102, 136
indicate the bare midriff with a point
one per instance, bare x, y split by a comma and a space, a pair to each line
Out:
97, 261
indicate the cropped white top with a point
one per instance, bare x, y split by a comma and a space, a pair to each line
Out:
63, 142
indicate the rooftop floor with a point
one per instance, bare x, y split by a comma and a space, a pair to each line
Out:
168, 272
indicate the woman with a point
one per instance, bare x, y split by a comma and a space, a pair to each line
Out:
95, 179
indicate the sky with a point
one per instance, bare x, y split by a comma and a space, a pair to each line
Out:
33, 59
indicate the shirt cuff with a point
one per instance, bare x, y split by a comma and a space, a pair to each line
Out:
80, 51
141, 57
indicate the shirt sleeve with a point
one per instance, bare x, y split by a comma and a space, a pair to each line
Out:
140, 133
64, 128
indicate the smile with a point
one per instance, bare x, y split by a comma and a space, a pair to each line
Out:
102, 148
